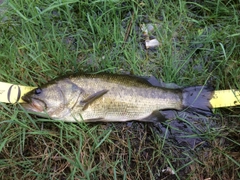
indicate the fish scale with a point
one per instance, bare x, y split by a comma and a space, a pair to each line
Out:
109, 97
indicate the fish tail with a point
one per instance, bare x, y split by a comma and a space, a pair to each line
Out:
197, 99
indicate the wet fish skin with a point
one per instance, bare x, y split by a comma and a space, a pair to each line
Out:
108, 97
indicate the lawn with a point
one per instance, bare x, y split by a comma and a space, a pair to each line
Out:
199, 44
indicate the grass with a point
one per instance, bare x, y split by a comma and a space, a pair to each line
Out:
41, 40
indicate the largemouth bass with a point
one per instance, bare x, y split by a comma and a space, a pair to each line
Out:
108, 97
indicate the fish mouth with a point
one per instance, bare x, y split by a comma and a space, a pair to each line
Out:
26, 99
34, 105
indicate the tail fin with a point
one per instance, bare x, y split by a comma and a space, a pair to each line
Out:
197, 99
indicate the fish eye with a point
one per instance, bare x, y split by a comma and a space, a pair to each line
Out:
38, 91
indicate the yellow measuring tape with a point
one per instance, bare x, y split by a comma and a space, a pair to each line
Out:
10, 93
225, 98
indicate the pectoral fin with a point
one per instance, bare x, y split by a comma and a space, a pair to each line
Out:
156, 116
92, 98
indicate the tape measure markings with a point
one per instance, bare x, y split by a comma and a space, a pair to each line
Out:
11, 93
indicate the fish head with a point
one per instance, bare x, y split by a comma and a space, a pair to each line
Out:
53, 100
43, 100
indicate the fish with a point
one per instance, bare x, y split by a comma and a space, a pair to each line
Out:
109, 97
